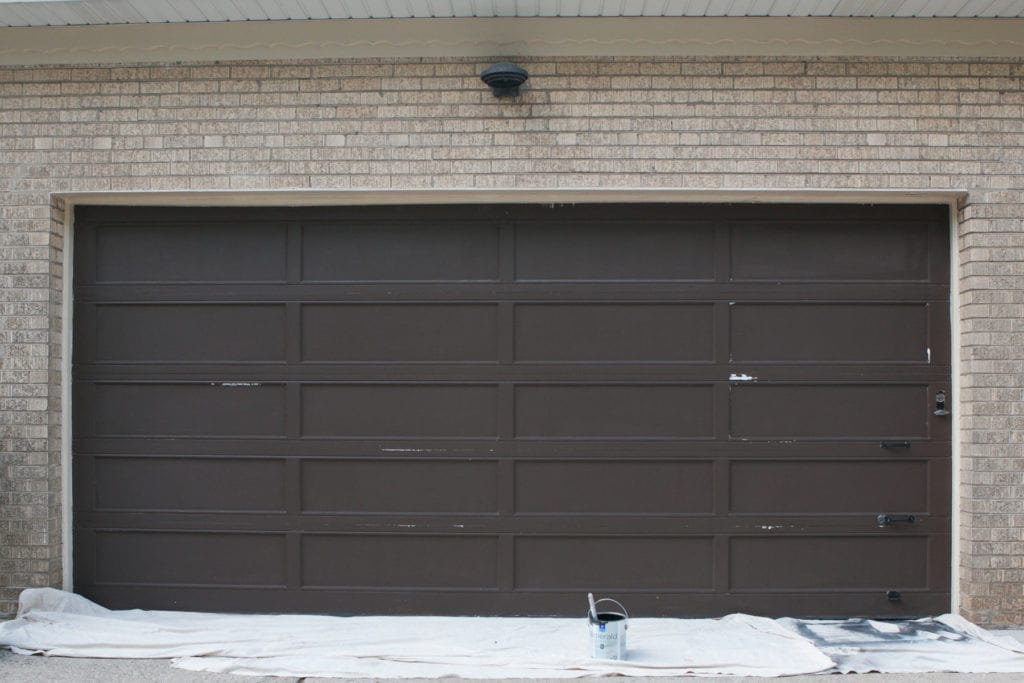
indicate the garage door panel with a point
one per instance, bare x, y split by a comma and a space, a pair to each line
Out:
802, 332
612, 333
595, 250
169, 333
398, 333
613, 411
837, 563
189, 484
818, 604
829, 487
614, 488
383, 251
829, 411
400, 486
817, 251
399, 410
399, 561
187, 253
939, 333
209, 409
613, 563
199, 558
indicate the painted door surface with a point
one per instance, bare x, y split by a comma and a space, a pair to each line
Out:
697, 409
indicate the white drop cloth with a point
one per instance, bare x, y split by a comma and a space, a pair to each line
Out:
56, 623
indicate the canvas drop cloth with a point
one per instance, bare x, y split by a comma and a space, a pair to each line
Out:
56, 623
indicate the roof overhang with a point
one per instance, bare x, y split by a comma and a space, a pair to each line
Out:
514, 37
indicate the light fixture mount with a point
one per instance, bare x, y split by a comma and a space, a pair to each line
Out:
504, 78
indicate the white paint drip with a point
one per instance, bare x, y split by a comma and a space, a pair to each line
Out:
410, 450
431, 450
741, 378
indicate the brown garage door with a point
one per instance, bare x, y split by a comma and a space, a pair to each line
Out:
494, 409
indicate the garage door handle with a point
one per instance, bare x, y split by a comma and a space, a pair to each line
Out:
885, 520
940, 405
895, 444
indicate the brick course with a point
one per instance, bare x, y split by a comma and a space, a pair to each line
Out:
756, 123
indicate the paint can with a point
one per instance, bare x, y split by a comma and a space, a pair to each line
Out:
608, 632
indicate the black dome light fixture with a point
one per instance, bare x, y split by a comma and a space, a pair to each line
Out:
504, 78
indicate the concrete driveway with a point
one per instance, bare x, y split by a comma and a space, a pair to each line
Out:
24, 669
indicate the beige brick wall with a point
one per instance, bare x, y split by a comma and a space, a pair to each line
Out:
796, 124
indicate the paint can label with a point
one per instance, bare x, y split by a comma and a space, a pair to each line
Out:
608, 639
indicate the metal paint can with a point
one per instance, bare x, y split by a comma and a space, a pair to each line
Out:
608, 632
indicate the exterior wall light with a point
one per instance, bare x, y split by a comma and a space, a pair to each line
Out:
504, 78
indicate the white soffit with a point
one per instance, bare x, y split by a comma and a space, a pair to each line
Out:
100, 12
157, 31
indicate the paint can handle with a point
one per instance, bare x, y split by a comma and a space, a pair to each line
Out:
616, 602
